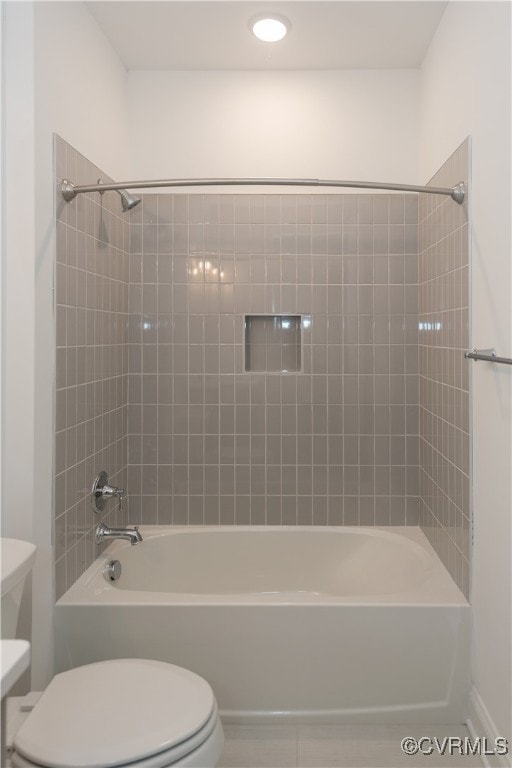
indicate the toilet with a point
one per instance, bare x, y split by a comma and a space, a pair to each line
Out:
121, 712
136, 712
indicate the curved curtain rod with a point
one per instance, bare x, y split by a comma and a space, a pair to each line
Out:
70, 191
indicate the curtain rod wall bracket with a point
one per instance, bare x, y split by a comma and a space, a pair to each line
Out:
68, 190
459, 193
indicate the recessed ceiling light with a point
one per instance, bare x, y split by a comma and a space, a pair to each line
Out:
270, 29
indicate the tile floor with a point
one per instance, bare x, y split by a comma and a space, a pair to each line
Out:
336, 746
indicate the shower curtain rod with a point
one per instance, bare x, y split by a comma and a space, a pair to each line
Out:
70, 191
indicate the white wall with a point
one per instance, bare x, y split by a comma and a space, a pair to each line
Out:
80, 87
81, 97
18, 295
465, 90
355, 124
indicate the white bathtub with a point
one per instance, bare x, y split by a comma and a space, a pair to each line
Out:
305, 624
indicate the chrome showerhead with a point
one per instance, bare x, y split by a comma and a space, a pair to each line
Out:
128, 201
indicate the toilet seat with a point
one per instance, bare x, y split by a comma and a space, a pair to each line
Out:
198, 752
113, 713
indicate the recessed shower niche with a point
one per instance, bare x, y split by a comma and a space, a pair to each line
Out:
273, 343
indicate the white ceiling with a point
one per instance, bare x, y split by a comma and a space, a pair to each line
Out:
194, 34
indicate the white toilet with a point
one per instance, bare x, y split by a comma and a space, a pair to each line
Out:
124, 712
136, 712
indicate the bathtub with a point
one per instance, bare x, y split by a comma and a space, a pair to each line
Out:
300, 624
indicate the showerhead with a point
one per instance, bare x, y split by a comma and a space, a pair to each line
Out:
128, 201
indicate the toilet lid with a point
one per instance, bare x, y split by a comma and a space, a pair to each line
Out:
114, 712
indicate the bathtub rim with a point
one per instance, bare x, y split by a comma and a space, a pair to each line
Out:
439, 589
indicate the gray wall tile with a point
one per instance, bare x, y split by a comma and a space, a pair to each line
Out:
283, 448
443, 395
93, 272
151, 380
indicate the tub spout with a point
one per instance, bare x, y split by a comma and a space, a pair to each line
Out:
130, 534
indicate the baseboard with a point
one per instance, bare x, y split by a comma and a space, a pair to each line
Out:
480, 723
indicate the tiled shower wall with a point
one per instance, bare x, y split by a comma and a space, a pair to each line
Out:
91, 296
151, 382
444, 373
336, 442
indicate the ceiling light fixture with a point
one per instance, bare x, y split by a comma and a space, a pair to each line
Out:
270, 29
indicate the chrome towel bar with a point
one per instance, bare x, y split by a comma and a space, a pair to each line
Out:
489, 355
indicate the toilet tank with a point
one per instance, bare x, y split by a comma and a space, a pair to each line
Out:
16, 560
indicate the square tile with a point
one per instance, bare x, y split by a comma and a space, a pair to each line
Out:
259, 746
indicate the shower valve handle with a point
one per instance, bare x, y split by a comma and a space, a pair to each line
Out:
109, 491
101, 492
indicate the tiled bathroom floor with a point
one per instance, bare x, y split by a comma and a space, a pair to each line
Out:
336, 746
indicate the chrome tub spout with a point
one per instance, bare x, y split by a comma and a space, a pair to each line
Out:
103, 532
